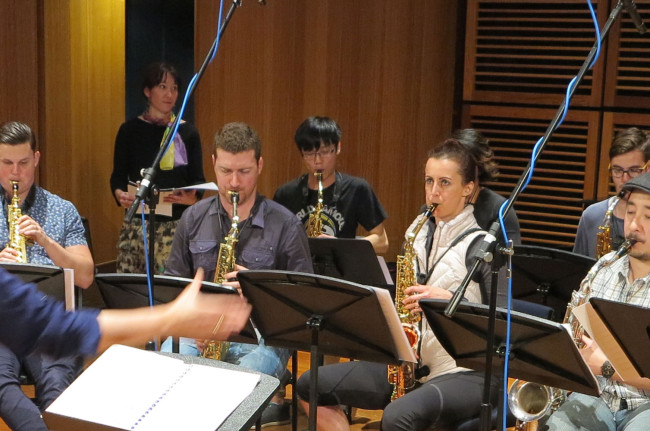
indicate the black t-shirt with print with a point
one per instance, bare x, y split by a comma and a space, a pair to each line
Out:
347, 203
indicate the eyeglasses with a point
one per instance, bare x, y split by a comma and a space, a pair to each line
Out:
322, 154
618, 172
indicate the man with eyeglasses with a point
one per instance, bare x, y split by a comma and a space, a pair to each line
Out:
348, 201
628, 155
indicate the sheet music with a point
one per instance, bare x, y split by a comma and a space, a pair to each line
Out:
404, 349
165, 208
596, 329
129, 388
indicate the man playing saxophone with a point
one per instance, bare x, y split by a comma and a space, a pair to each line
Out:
346, 201
622, 406
269, 237
601, 224
54, 235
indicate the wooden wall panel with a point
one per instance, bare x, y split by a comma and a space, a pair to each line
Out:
384, 71
19, 80
528, 51
84, 105
627, 81
565, 174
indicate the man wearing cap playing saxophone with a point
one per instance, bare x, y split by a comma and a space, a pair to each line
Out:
601, 224
54, 235
269, 237
622, 406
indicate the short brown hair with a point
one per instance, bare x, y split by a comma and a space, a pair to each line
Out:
236, 138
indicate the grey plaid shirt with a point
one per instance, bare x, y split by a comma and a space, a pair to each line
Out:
611, 282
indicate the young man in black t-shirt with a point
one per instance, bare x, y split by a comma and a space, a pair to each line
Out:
347, 201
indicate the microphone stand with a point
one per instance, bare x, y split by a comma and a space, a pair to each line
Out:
488, 247
147, 186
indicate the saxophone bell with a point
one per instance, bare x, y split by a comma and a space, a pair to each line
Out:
530, 401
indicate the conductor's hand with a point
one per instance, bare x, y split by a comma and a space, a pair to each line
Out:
207, 316
419, 291
8, 254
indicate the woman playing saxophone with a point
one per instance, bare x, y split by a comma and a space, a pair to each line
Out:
445, 393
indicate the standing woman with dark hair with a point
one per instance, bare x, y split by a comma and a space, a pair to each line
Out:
136, 146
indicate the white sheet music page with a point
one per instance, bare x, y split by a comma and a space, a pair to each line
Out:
404, 349
129, 388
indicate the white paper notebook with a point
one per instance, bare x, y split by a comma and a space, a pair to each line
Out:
133, 389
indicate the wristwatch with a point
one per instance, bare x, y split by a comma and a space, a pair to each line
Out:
606, 370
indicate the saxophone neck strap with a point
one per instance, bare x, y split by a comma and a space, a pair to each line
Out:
423, 277
304, 188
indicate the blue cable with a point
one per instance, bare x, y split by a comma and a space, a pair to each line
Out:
536, 148
181, 111
190, 86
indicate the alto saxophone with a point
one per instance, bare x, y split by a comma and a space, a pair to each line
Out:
531, 401
225, 264
604, 235
402, 377
17, 241
314, 225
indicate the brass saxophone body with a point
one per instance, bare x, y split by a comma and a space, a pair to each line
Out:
314, 225
402, 377
225, 264
530, 401
604, 235
17, 241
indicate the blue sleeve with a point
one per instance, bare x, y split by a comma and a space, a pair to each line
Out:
30, 321
75, 233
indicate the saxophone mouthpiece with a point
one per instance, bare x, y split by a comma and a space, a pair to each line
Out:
625, 248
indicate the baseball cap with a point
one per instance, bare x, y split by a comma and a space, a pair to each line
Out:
641, 183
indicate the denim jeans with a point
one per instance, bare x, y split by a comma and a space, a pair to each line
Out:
264, 359
587, 413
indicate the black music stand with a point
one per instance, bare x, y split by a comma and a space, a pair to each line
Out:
541, 351
349, 259
547, 276
324, 315
49, 279
630, 327
131, 291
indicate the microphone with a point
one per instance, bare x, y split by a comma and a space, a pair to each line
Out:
634, 16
